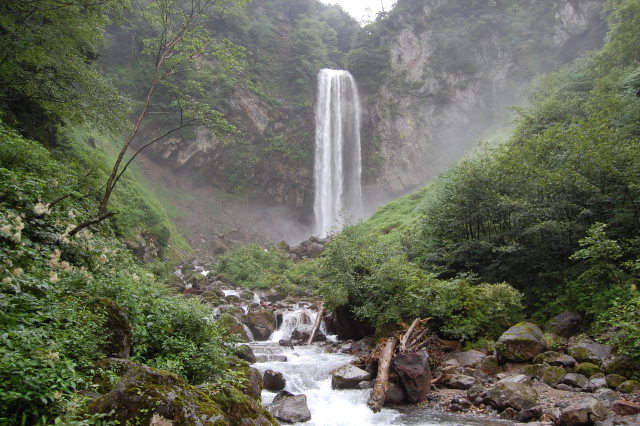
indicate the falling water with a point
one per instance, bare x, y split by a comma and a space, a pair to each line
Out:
338, 165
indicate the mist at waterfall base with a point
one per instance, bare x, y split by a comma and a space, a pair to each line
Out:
338, 163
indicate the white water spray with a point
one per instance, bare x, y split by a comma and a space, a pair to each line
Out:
338, 164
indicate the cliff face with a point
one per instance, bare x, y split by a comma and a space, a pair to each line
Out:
454, 69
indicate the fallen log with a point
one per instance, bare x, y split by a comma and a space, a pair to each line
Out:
316, 326
378, 394
407, 335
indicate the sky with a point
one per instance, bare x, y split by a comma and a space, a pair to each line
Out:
357, 8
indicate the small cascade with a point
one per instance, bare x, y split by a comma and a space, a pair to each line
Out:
231, 293
338, 164
292, 319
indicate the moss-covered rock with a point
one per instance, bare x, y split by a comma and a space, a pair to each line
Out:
144, 393
555, 358
623, 366
553, 374
521, 342
554, 342
585, 350
234, 326
614, 380
535, 370
118, 334
586, 368
565, 324
108, 371
629, 386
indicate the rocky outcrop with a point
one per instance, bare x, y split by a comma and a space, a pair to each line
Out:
348, 377
289, 408
522, 342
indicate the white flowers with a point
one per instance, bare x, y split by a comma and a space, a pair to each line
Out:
41, 209
53, 277
13, 230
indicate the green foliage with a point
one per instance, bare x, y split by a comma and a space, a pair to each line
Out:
624, 317
252, 266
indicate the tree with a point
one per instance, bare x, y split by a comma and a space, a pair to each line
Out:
177, 44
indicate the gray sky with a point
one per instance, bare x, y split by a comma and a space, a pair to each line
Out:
357, 8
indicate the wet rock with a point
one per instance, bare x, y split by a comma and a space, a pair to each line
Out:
246, 353
289, 408
518, 378
629, 386
585, 350
232, 299
606, 396
575, 380
587, 368
233, 310
625, 408
273, 380
597, 381
303, 331
395, 394
555, 358
285, 343
566, 324
274, 296
614, 380
553, 375
314, 250
583, 412
117, 331
348, 377
533, 413
460, 381
515, 395
234, 326
261, 322
271, 358
476, 394
144, 393
366, 384
254, 384
414, 373
521, 342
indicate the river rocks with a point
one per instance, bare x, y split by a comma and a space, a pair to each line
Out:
606, 396
625, 408
271, 358
629, 386
244, 352
566, 324
289, 408
144, 393
234, 326
587, 368
273, 380
254, 384
348, 377
597, 381
395, 394
553, 375
555, 358
468, 358
518, 378
415, 374
303, 331
585, 350
521, 342
575, 380
621, 365
614, 380
515, 395
460, 381
535, 370
583, 412
261, 322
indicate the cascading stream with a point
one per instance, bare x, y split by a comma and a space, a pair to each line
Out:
338, 164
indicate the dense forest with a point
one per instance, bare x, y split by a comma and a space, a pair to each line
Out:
541, 218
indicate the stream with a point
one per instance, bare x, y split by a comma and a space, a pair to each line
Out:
307, 371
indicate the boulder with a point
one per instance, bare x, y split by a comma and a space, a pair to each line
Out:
348, 377
303, 331
246, 353
625, 408
468, 358
414, 373
614, 380
518, 378
566, 324
529, 414
289, 408
597, 381
395, 394
606, 396
314, 250
515, 395
254, 384
575, 380
585, 350
460, 381
521, 342
629, 386
106, 370
553, 375
583, 412
271, 358
144, 393
274, 296
367, 384
489, 364
535, 370
234, 326
273, 380
587, 368
555, 358
622, 365
476, 394
261, 322
117, 331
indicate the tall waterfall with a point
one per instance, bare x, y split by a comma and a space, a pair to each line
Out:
338, 164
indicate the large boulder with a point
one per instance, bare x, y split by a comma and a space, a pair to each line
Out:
470, 358
629, 386
585, 350
117, 331
415, 374
261, 322
273, 380
234, 326
566, 324
575, 380
625, 408
395, 394
622, 365
522, 342
145, 395
515, 395
553, 374
289, 408
583, 412
254, 384
303, 331
555, 358
348, 377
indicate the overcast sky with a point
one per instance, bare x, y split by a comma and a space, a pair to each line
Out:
357, 8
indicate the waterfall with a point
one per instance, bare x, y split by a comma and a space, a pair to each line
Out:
338, 164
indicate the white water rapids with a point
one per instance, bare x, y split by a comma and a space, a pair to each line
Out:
308, 371
338, 164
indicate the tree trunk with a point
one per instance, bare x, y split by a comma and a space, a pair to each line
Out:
376, 400
316, 326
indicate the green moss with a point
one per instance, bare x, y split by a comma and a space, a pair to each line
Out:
535, 370
629, 386
552, 375
614, 380
587, 368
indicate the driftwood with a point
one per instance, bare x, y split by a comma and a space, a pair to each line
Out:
379, 392
407, 335
316, 326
